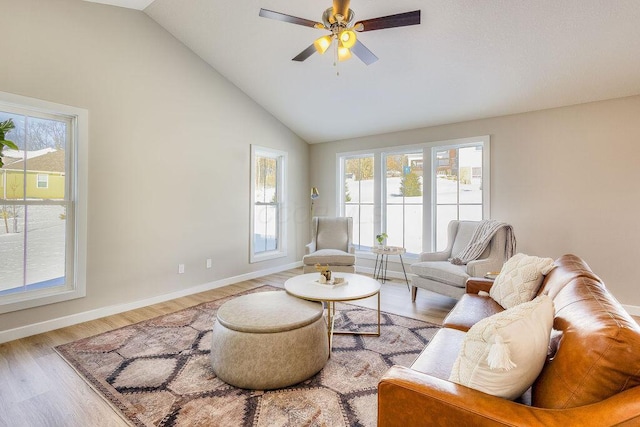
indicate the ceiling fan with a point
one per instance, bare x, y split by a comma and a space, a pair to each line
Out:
338, 20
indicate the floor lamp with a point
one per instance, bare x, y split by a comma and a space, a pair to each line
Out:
314, 195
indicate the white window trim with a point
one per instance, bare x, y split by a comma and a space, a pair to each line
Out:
281, 250
383, 174
428, 149
486, 180
78, 188
45, 181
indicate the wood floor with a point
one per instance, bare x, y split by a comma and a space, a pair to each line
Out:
38, 388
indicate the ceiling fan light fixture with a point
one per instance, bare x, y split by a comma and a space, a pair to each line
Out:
343, 53
348, 38
322, 44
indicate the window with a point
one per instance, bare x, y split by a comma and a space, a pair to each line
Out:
358, 197
267, 200
458, 187
43, 181
42, 205
412, 193
402, 201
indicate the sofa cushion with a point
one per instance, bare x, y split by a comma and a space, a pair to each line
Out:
503, 354
520, 279
597, 356
442, 271
329, 256
470, 310
438, 356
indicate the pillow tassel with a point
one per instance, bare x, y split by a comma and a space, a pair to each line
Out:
499, 356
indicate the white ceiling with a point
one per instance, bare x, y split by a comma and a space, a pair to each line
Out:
468, 59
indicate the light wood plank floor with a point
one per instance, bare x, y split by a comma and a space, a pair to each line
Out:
38, 388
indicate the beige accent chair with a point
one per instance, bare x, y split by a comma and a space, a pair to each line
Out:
435, 273
330, 244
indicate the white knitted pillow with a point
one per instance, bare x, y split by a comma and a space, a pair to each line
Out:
520, 279
503, 354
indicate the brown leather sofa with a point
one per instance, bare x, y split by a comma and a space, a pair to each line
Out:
591, 377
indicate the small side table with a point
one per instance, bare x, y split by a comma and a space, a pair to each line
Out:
382, 260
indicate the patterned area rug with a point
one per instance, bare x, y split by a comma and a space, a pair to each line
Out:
157, 372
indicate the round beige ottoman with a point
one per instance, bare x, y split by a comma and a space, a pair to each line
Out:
268, 340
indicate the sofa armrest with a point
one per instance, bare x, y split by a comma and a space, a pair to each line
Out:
407, 397
480, 267
476, 284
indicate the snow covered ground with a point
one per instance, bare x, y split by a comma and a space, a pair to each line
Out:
45, 242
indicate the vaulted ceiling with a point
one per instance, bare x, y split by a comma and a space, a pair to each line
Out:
468, 59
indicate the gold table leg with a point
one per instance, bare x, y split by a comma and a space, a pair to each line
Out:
331, 305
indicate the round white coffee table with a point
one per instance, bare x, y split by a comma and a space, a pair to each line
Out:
357, 287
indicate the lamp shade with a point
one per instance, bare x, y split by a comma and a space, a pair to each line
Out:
343, 53
322, 44
348, 38
314, 193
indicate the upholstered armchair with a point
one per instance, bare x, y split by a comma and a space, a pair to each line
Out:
330, 244
436, 273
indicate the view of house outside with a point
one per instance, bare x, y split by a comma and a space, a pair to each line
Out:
458, 192
32, 205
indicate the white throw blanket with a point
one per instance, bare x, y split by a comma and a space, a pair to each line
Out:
481, 238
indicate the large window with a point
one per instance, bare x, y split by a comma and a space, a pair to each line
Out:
457, 187
403, 200
358, 197
42, 212
412, 193
267, 199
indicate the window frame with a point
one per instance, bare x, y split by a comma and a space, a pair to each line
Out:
281, 158
486, 179
384, 203
76, 181
341, 205
428, 183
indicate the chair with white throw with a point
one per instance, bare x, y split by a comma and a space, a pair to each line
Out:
474, 249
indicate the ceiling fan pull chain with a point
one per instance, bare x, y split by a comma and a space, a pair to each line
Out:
336, 61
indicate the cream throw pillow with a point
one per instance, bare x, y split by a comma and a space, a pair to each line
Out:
520, 279
503, 354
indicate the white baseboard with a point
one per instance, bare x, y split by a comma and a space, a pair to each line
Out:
390, 274
62, 322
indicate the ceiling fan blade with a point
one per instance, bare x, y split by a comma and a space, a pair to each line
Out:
305, 54
341, 7
363, 53
265, 13
391, 21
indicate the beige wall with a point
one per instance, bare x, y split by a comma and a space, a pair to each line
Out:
162, 119
567, 179
169, 147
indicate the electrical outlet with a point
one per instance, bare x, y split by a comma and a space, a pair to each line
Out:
209, 262
180, 268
